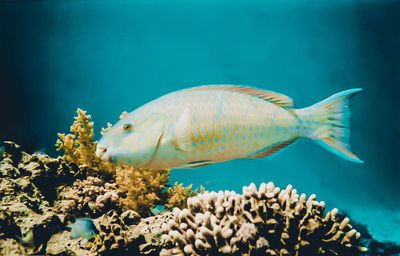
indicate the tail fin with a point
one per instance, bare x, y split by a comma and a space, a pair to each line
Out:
328, 123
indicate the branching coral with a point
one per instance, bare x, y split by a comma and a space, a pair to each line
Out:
110, 238
79, 147
143, 188
269, 221
177, 196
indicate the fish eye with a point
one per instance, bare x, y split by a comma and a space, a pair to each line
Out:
127, 127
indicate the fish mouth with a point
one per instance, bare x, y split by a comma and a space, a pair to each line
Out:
100, 151
103, 153
108, 154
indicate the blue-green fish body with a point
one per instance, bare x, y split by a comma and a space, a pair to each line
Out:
203, 125
83, 227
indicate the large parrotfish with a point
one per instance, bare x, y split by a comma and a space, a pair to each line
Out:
208, 124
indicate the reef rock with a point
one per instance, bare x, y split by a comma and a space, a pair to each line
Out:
88, 197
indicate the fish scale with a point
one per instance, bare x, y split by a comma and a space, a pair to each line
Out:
216, 118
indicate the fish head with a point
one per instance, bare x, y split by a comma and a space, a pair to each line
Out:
133, 140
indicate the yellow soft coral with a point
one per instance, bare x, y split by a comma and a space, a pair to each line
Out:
104, 130
79, 147
144, 188
177, 196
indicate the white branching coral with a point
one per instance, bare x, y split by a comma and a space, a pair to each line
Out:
269, 221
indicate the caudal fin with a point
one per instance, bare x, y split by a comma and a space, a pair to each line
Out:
329, 124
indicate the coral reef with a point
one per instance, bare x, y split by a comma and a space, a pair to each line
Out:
269, 221
25, 209
42, 196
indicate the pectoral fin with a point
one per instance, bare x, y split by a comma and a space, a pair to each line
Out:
180, 135
84, 241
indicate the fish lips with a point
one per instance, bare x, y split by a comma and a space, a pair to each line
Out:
107, 156
100, 151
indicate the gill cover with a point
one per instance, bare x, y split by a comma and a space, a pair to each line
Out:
139, 145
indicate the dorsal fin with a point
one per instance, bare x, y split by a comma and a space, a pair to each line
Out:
270, 150
276, 98
180, 134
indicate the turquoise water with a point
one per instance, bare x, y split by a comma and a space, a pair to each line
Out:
110, 56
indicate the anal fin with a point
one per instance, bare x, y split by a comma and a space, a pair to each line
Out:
196, 164
270, 150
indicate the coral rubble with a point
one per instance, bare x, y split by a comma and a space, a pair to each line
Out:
88, 197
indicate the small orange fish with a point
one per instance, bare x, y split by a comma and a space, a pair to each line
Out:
208, 124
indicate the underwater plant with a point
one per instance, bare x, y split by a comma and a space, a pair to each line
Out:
142, 189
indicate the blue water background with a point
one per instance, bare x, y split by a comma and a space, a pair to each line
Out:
110, 56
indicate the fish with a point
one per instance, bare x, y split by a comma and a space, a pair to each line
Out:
27, 240
202, 125
83, 227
